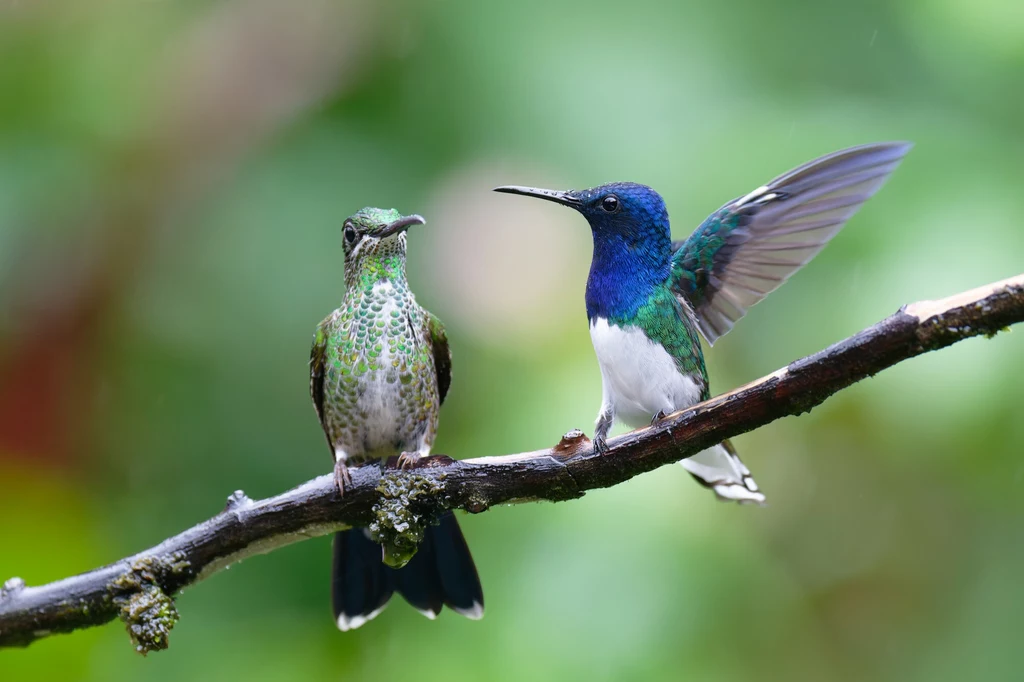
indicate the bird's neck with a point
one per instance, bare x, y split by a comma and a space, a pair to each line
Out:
368, 272
625, 271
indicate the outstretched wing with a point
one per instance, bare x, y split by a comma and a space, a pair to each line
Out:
750, 246
442, 354
317, 368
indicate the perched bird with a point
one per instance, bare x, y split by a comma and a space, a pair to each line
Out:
647, 296
379, 370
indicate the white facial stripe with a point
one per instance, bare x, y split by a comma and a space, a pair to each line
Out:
359, 245
367, 238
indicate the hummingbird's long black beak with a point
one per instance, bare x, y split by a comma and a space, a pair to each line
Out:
568, 198
401, 225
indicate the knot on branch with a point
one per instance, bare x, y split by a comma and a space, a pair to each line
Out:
406, 505
11, 586
237, 501
572, 443
143, 598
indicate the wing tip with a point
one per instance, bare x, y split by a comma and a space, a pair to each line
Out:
899, 148
889, 154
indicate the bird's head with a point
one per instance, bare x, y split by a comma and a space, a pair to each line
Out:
374, 242
632, 242
622, 212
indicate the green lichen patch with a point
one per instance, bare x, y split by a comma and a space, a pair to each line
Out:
146, 608
149, 616
397, 525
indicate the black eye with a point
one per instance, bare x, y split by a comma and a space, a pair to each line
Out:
610, 203
350, 233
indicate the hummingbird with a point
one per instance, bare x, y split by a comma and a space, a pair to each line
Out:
650, 299
380, 368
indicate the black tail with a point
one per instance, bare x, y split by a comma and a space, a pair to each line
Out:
360, 586
441, 572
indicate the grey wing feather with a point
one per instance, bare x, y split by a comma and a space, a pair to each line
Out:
750, 246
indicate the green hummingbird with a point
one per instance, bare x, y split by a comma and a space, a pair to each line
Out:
649, 299
380, 368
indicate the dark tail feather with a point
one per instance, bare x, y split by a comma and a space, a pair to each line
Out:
459, 580
360, 582
418, 580
441, 572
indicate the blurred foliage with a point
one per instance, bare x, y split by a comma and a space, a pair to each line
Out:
173, 176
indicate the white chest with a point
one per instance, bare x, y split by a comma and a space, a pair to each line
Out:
381, 398
639, 377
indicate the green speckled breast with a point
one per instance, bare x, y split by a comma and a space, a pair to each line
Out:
380, 392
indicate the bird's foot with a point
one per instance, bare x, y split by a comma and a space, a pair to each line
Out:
600, 445
408, 460
657, 418
342, 477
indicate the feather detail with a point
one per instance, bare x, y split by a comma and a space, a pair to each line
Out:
753, 244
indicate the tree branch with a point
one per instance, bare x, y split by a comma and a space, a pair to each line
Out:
396, 505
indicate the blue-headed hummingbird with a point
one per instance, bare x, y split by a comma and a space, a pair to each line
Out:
649, 299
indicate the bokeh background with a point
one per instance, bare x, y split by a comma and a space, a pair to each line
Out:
173, 177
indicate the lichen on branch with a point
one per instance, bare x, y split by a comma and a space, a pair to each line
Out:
407, 504
144, 606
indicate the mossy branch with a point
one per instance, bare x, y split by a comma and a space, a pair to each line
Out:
140, 588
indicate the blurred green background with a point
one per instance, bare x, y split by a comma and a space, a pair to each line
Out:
173, 177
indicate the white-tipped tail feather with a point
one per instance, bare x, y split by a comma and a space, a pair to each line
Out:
474, 612
345, 623
431, 615
720, 469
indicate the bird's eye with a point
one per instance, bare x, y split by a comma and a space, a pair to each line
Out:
610, 204
350, 233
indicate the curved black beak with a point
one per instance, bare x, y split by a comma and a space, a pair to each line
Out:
567, 198
401, 225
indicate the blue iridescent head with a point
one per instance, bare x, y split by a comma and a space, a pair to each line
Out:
632, 242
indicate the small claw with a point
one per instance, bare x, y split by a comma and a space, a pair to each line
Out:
600, 445
341, 476
408, 460
658, 417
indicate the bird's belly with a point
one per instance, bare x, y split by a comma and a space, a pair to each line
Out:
387, 423
640, 378
386, 401
382, 413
